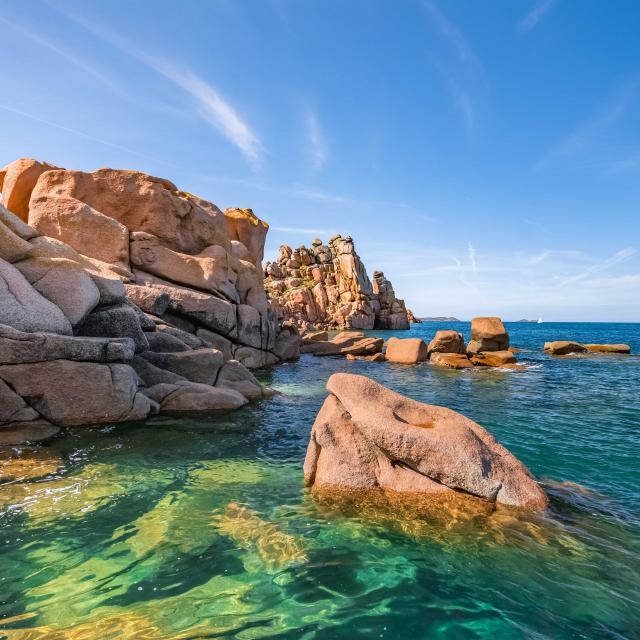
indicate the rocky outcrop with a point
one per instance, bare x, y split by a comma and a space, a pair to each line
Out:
126, 297
447, 342
566, 347
367, 437
412, 319
327, 287
488, 334
451, 360
347, 343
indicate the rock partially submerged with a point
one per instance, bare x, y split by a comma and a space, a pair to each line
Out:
367, 437
567, 347
345, 343
488, 334
406, 350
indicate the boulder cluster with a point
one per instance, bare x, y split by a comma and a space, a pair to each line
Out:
122, 296
488, 347
326, 286
367, 437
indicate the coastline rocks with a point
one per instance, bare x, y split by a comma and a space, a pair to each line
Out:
563, 347
567, 347
450, 360
327, 287
69, 393
345, 343
17, 181
26, 432
192, 396
609, 348
447, 342
368, 437
23, 308
245, 227
406, 350
499, 359
488, 334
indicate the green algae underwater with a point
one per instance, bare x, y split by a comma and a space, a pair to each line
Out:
199, 527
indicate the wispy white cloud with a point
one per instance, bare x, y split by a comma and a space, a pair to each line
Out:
472, 257
316, 139
537, 13
452, 34
64, 53
86, 136
214, 109
460, 97
589, 131
598, 267
210, 106
540, 257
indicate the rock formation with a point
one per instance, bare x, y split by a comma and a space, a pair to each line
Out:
488, 334
367, 437
327, 287
566, 347
123, 296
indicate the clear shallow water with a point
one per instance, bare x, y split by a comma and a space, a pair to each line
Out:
200, 528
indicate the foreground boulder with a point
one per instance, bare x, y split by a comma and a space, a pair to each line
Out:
406, 350
368, 437
488, 334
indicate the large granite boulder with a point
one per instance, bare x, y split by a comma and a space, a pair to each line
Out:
23, 308
563, 347
345, 343
192, 396
19, 179
196, 365
88, 231
116, 321
406, 350
488, 334
245, 227
447, 342
19, 347
69, 393
141, 202
367, 437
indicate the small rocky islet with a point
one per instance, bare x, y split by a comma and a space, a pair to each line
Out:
123, 297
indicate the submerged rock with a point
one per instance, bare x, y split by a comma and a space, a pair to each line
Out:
369, 437
563, 347
451, 360
609, 348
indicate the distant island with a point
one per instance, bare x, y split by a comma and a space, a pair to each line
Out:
440, 319
525, 320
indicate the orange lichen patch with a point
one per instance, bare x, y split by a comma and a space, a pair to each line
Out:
27, 463
423, 425
245, 214
276, 549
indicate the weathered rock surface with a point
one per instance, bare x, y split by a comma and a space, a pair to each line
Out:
19, 179
451, 360
447, 342
608, 348
368, 437
494, 359
406, 350
563, 347
327, 287
120, 262
19, 347
488, 334
22, 307
69, 393
345, 343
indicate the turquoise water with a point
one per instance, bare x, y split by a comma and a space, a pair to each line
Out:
199, 527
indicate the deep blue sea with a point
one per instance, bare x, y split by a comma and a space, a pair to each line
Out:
199, 527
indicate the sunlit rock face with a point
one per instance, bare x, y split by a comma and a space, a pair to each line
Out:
116, 266
327, 286
367, 437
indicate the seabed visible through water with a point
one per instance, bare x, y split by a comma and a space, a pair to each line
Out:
199, 527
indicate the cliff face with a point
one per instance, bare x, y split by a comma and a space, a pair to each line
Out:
121, 295
326, 287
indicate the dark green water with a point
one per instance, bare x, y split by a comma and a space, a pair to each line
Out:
200, 528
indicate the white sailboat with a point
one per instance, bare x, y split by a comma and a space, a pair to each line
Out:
540, 321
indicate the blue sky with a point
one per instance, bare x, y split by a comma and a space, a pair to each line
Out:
485, 155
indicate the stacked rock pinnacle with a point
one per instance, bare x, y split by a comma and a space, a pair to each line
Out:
327, 287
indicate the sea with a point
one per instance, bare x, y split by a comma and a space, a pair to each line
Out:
199, 526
